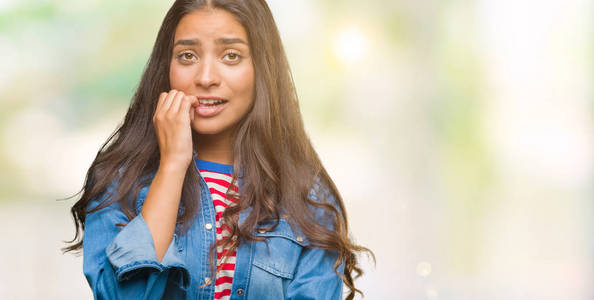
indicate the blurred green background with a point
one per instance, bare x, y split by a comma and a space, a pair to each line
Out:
459, 132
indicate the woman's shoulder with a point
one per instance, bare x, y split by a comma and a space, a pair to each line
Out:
141, 185
323, 192
324, 202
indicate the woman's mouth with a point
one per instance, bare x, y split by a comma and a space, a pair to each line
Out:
210, 107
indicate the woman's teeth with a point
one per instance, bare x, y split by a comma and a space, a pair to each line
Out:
211, 102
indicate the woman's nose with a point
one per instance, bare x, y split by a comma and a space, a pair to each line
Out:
207, 74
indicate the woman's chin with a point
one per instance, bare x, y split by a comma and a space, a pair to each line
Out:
201, 129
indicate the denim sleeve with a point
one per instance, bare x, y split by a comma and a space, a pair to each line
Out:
315, 277
121, 263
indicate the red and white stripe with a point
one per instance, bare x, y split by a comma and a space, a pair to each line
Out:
218, 184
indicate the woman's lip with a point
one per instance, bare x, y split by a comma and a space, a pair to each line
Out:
209, 97
209, 111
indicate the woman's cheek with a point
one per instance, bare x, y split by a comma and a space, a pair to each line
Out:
243, 79
179, 77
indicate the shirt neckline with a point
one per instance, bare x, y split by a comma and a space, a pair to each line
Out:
205, 165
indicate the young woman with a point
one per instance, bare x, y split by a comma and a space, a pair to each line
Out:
210, 189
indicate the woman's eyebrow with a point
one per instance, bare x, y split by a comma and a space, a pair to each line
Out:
228, 41
225, 41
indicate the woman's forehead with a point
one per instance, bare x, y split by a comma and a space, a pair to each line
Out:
210, 25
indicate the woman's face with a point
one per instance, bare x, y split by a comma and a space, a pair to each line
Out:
211, 60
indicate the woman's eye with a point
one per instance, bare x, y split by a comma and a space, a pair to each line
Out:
232, 57
185, 56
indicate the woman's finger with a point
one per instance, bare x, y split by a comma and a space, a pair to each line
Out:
160, 101
194, 103
176, 103
186, 106
168, 101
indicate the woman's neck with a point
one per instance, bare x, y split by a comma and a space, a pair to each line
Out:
214, 148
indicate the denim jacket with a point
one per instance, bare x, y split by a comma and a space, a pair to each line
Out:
120, 262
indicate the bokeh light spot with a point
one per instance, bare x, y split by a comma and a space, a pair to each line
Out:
424, 269
350, 45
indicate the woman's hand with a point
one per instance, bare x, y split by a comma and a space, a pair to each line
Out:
172, 125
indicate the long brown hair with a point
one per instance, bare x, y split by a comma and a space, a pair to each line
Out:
279, 167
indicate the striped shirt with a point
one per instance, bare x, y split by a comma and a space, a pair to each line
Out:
218, 179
